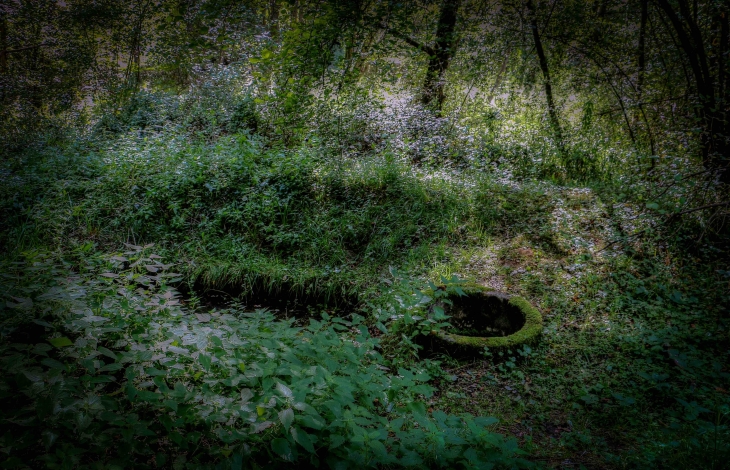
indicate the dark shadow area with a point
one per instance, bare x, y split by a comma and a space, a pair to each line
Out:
282, 301
484, 314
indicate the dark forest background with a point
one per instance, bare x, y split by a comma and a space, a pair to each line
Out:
226, 224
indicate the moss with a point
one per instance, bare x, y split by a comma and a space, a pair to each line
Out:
528, 333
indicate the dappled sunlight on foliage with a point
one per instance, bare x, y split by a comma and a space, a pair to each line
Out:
232, 233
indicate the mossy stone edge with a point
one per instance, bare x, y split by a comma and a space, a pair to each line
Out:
529, 333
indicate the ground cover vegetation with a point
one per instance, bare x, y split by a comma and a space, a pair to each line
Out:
231, 230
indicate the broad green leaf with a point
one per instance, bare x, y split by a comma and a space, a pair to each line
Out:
246, 395
281, 448
60, 342
107, 353
417, 408
336, 441
303, 439
286, 417
378, 448
111, 367
42, 349
205, 361
146, 395
172, 404
311, 422
53, 364
284, 390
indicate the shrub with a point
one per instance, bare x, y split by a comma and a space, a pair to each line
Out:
109, 367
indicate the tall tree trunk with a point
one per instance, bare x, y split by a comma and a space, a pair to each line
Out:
443, 51
552, 111
274, 19
715, 127
135, 53
641, 59
4, 45
641, 65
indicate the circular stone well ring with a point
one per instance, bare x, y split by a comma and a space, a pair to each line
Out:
486, 318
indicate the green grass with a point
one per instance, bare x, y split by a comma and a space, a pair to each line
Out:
631, 369
236, 214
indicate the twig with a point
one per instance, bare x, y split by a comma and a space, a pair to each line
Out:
626, 238
695, 209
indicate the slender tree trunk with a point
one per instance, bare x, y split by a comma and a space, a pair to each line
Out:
443, 51
600, 10
274, 19
724, 85
4, 45
360, 61
714, 135
135, 52
498, 79
641, 65
552, 111
641, 59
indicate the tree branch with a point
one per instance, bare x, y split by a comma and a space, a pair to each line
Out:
424, 48
695, 209
21, 49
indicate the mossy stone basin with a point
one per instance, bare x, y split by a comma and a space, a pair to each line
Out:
487, 318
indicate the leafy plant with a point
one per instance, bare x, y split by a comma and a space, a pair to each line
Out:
109, 367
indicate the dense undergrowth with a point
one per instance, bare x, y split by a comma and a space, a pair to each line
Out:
235, 213
105, 364
107, 369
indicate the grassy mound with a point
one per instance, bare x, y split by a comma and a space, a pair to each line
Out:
237, 214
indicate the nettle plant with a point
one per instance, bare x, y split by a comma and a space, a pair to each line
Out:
411, 313
107, 367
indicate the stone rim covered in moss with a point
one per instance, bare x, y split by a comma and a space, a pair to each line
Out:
528, 333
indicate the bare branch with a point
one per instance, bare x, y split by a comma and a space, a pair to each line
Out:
428, 50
